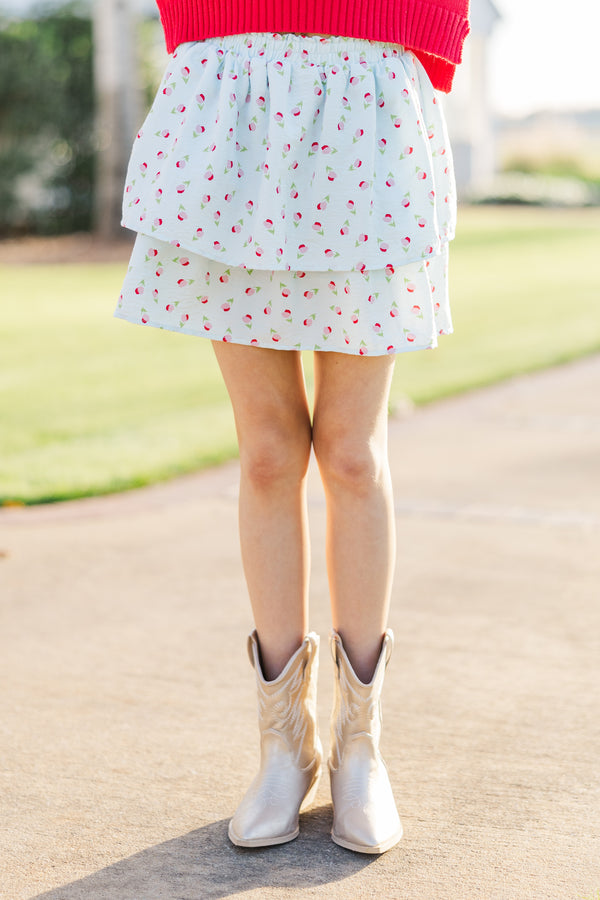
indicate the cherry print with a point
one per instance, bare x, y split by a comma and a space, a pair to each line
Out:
364, 190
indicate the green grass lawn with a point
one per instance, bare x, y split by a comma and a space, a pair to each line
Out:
90, 404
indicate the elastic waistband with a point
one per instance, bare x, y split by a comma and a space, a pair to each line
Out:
275, 45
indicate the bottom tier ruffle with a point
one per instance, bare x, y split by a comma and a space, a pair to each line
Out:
369, 312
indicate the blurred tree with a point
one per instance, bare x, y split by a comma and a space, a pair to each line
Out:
118, 105
46, 122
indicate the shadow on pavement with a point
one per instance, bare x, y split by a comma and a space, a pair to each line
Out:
204, 865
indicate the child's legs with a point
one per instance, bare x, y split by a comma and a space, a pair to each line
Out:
350, 443
272, 418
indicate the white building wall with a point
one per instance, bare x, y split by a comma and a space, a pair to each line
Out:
468, 111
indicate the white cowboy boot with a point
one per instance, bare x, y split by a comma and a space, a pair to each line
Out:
290, 750
365, 817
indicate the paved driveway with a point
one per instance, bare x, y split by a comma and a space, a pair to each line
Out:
128, 722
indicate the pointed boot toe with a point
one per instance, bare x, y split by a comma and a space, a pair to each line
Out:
366, 819
269, 811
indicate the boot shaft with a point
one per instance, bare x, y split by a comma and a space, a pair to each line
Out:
287, 706
357, 706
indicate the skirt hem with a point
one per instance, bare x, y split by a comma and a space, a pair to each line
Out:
194, 332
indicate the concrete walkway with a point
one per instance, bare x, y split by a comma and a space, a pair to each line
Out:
128, 721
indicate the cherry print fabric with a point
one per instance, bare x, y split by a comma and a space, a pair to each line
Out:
292, 191
373, 312
291, 152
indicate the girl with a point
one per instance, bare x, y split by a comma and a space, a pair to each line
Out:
292, 189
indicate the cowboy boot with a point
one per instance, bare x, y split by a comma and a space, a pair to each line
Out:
365, 818
290, 750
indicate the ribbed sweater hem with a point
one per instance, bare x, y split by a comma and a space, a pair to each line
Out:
434, 31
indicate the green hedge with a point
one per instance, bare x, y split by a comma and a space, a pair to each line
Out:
47, 116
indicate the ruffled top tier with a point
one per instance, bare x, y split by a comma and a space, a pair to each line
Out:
253, 155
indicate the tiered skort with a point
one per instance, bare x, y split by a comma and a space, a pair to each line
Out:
294, 192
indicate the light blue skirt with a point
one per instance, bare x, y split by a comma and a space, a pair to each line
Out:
293, 192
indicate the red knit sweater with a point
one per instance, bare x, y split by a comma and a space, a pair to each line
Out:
433, 29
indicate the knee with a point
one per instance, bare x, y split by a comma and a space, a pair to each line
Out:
350, 463
275, 457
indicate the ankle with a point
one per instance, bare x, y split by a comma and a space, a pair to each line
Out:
274, 654
363, 656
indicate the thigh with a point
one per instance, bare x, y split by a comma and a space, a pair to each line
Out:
266, 387
351, 397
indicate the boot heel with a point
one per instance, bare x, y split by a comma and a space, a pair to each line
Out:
312, 793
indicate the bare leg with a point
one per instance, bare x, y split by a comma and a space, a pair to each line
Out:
350, 442
272, 418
